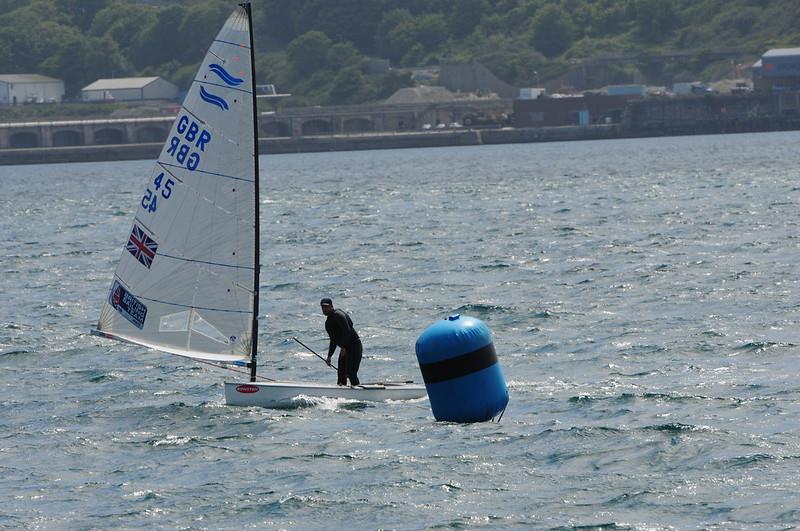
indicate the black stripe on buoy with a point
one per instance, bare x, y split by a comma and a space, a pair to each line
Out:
440, 371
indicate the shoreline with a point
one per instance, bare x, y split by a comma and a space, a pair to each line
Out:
395, 140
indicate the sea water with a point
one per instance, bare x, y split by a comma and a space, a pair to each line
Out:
642, 295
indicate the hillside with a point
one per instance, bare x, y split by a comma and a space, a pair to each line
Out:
339, 52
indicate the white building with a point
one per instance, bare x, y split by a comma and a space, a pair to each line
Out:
30, 88
130, 89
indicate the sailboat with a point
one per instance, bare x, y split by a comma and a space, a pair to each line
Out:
188, 279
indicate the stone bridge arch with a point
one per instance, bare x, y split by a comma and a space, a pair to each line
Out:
357, 125
276, 129
24, 139
317, 126
67, 137
109, 135
151, 133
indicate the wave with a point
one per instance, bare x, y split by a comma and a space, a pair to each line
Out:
676, 427
626, 497
749, 460
662, 397
608, 431
583, 431
757, 347
95, 376
484, 309
325, 403
15, 352
374, 279
495, 266
593, 527
634, 374
641, 349
565, 230
283, 285
173, 440
6, 518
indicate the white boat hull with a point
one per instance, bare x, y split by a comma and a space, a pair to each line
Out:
291, 394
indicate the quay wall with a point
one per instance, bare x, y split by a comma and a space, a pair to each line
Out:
643, 118
275, 146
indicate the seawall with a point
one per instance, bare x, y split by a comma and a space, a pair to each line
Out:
445, 138
690, 115
310, 144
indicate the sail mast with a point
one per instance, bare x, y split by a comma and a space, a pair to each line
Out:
257, 251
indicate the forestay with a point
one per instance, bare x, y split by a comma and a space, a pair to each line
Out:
186, 281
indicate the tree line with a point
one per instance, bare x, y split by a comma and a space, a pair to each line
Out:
340, 51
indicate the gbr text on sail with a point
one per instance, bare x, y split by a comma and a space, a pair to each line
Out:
188, 143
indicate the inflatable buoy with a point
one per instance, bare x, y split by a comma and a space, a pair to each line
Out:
460, 369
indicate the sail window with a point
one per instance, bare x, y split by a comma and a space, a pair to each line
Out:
174, 322
203, 327
179, 322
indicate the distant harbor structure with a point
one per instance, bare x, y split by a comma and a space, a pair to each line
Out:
30, 88
290, 123
777, 70
130, 89
465, 112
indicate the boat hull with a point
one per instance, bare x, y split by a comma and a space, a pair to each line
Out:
291, 394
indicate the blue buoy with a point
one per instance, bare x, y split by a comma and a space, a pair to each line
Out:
460, 369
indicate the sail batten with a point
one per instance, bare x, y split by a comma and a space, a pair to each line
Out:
216, 85
224, 176
192, 244
238, 45
205, 262
195, 307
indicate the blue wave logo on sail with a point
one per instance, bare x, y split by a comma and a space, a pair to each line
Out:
213, 99
225, 76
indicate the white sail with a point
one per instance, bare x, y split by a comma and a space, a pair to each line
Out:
185, 281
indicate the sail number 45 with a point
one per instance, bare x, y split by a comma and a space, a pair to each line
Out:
150, 199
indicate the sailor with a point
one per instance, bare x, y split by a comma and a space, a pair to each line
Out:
340, 329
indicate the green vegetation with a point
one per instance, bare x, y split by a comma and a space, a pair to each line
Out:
338, 52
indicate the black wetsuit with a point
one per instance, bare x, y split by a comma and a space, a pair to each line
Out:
340, 329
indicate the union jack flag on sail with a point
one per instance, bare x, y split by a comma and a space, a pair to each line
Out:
142, 246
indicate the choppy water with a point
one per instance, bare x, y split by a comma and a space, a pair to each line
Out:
643, 296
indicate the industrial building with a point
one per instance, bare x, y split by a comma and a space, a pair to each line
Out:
587, 109
777, 70
130, 89
30, 88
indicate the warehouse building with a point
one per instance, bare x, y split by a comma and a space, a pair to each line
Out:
588, 109
130, 89
30, 88
777, 70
